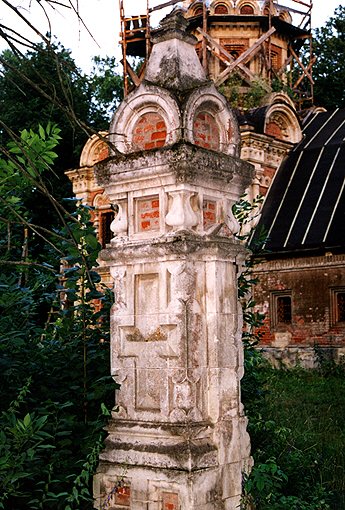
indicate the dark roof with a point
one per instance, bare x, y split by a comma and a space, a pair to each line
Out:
304, 208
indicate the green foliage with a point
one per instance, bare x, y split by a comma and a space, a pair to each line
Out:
329, 69
296, 425
243, 98
41, 86
53, 337
106, 87
45, 85
247, 214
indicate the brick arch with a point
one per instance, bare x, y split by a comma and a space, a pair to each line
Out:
209, 122
198, 10
266, 10
206, 132
221, 9
96, 149
153, 116
247, 9
149, 132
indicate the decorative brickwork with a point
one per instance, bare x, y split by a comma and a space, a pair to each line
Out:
170, 501
148, 214
273, 129
149, 132
209, 213
206, 131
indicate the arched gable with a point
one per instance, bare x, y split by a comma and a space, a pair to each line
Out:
146, 119
210, 123
281, 119
96, 149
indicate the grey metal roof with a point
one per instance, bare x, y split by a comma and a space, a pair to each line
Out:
305, 206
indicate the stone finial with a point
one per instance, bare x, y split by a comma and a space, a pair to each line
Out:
173, 26
173, 63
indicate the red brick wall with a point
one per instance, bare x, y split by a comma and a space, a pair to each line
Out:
266, 179
149, 132
123, 496
311, 304
209, 213
148, 214
206, 131
170, 501
273, 129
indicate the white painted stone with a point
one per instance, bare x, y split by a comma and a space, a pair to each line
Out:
181, 215
179, 430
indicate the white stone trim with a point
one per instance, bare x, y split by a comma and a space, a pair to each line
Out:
144, 100
210, 101
88, 156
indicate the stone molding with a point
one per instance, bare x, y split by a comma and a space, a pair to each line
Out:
185, 161
145, 99
308, 262
208, 99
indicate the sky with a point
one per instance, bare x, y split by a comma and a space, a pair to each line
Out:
101, 18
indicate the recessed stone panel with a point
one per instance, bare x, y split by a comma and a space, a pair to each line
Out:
146, 303
147, 214
170, 501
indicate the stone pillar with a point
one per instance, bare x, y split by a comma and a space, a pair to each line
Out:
177, 438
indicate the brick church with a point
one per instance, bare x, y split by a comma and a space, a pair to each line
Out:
297, 161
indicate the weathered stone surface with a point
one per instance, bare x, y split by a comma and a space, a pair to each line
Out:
177, 438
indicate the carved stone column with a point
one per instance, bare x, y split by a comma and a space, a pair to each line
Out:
177, 438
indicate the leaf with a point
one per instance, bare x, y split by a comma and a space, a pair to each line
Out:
41, 132
27, 420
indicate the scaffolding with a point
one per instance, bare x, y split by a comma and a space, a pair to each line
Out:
136, 31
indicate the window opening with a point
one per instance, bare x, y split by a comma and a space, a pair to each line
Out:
106, 233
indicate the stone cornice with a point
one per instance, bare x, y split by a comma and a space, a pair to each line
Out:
187, 162
298, 263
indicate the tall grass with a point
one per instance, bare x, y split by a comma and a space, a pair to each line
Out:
297, 425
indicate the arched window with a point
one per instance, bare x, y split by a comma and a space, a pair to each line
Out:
221, 9
198, 11
246, 9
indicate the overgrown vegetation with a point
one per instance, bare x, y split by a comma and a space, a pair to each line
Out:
297, 429
243, 98
54, 346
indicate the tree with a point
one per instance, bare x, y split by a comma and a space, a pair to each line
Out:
54, 344
45, 85
329, 69
106, 87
